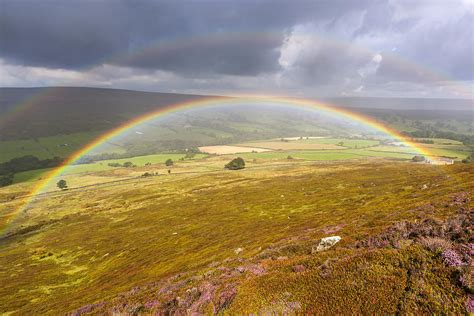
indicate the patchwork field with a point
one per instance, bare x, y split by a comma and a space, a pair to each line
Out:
103, 165
290, 145
343, 142
233, 241
311, 149
226, 149
454, 153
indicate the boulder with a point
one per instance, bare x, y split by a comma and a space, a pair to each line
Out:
326, 243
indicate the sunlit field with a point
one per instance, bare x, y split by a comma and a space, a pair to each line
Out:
151, 228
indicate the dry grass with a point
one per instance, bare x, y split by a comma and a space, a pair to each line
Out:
225, 149
291, 145
81, 246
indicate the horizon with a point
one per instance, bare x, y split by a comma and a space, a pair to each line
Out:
426, 97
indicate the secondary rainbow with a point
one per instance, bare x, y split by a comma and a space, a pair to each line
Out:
214, 101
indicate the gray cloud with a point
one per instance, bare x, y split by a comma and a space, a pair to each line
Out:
283, 45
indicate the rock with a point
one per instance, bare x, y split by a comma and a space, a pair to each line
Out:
238, 250
326, 243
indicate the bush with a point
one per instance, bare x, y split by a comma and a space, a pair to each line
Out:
6, 180
469, 159
236, 164
169, 162
189, 155
418, 158
62, 184
128, 164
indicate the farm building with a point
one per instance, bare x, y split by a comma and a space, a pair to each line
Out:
440, 161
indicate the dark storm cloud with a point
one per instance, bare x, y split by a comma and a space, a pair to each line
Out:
77, 34
280, 44
61, 34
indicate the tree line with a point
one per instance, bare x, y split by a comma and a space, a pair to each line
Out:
25, 163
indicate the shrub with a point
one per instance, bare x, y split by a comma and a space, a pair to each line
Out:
169, 162
6, 180
418, 158
128, 164
451, 258
236, 164
62, 184
189, 155
435, 244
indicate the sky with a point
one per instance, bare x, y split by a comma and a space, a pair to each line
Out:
405, 48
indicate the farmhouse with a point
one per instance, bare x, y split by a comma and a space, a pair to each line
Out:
440, 161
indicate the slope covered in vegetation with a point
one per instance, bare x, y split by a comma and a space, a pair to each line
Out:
241, 241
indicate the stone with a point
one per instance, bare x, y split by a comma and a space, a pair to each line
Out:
238, 250
326, 243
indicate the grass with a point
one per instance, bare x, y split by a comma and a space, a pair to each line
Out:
371, 150
290, 145
442, 141
48, 147
306, 155
325, 155
347, 142
33, 175
458, 154
144, 230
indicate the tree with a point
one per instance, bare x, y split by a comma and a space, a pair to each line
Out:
189, 155
236, 164
128, 164
6, 180
469, 158
418, 158
62, 184
169, 162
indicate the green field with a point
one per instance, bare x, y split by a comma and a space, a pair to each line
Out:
322, 155
49, 147
457, 154
347, 142
103, 165
442, 141
357, 149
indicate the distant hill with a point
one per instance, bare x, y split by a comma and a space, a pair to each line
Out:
27, 113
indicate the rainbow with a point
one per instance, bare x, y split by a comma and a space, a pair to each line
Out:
213, 101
